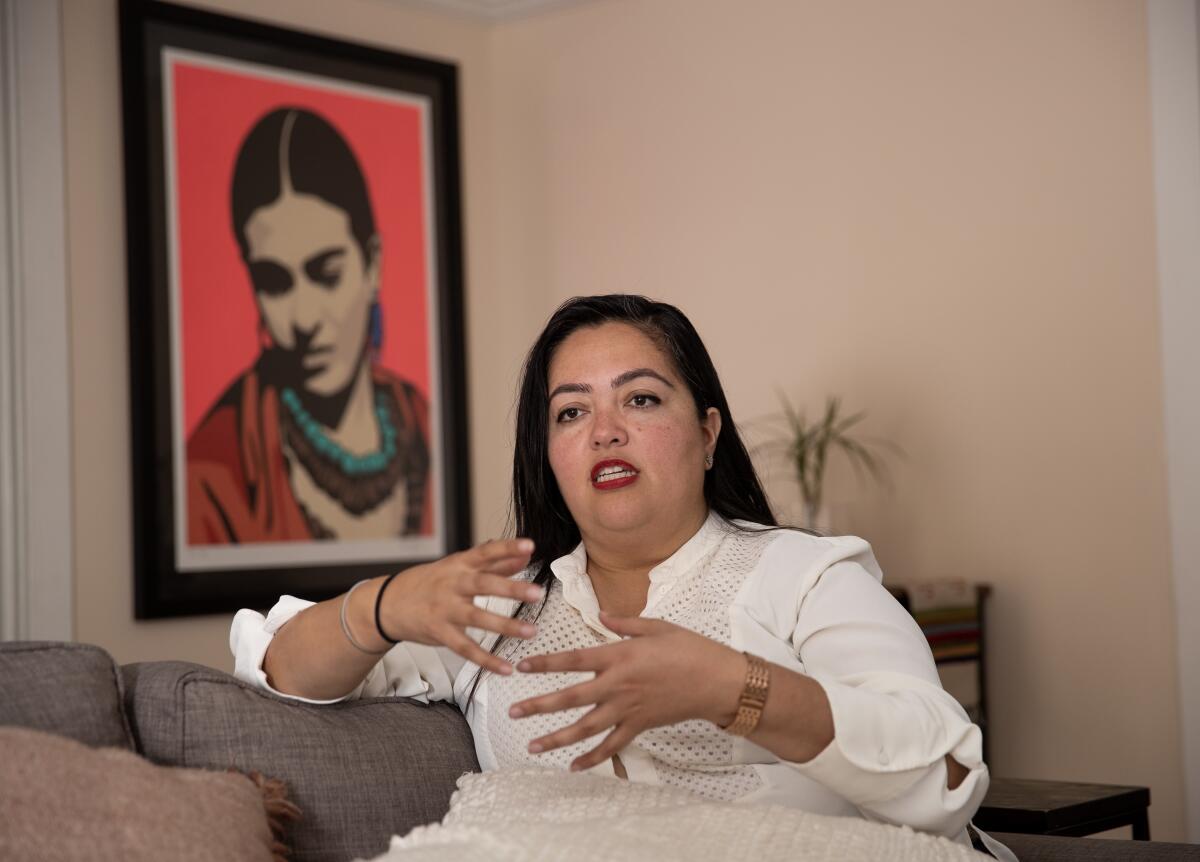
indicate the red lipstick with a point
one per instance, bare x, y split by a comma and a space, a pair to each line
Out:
613, 473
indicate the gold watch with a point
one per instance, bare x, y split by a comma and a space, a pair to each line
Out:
753, 699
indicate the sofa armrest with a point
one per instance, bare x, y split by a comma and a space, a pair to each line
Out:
360, 771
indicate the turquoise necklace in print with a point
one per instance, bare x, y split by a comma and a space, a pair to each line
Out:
351, 464
358, 483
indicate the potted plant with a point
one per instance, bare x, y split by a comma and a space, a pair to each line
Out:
808, 445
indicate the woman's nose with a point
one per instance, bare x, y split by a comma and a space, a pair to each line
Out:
306, 308
608, 430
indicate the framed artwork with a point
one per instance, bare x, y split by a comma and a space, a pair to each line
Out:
295, 311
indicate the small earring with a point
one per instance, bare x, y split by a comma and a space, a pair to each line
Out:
376, 329
708, 462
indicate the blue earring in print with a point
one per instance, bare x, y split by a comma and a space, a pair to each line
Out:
375, 328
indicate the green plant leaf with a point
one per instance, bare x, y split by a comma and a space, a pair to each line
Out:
849, 422
808, 446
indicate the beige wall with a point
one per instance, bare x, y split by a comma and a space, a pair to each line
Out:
941, 211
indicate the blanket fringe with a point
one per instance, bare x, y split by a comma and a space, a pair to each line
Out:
279, 809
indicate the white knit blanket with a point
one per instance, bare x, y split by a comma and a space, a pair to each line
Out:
533, 815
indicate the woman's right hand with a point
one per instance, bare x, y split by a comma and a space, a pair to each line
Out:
434, 603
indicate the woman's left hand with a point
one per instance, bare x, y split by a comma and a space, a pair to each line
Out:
660, 674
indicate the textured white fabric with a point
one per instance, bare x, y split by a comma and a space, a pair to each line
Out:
813, 605
694, 755
534, 815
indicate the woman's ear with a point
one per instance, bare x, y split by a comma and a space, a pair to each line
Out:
266, 340
711, 428
374, 255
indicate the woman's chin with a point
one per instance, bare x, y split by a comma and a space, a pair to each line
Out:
327, 381
318, 385
620, 516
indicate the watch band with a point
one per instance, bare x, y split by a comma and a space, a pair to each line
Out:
753, 699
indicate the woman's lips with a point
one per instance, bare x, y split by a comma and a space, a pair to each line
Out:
613, 473
316, 357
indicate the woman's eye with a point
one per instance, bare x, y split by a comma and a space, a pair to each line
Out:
643, 400
328, 277
326, 268
567, 414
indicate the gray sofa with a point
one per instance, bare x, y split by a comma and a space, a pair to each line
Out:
358, 771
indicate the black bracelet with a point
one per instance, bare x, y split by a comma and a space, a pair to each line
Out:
378, 604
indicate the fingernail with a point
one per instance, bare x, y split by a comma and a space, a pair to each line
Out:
575, 767
525, 544
515, 712
524, 666
535, 748
528, 631
506, 669
534, 594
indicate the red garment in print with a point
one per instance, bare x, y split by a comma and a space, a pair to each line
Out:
238, 489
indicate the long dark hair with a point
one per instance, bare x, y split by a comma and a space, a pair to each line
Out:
731, 486
306, 149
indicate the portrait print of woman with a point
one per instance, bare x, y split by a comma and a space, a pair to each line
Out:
296, 336
316, 440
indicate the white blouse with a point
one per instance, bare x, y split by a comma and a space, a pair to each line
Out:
813, 605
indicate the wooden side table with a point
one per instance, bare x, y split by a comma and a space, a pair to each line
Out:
1063, 808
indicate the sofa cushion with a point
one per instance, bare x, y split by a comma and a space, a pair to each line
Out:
359, 771
62, 800
66, 688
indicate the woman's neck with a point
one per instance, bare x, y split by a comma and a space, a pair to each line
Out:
357, 430
619, 565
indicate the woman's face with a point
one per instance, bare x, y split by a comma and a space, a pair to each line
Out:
626, 442
313, 286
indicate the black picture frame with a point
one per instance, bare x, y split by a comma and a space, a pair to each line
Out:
147, 29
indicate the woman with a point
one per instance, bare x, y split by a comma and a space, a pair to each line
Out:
656, 607
315, 440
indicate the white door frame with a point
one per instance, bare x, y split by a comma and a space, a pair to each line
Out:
36, 561
1175, 111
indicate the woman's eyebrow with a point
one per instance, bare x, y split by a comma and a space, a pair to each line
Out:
324, 255
625, 377
618, 381
318, 258
569, 387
